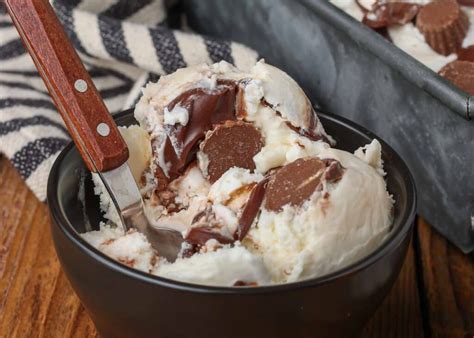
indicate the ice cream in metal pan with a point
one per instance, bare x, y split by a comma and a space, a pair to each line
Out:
438, 33
239, 163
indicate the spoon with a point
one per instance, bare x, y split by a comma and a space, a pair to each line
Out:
90, 124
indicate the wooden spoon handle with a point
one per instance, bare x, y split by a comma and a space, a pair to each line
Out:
77, 99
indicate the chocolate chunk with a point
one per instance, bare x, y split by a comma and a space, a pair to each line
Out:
294, 183
334, 171
469, 3
460, 73
161, 179
251, 209
389, 14
205, 226
200, 235
466, 54
243, 283
206, 108
444, 25
167, 199
232, 144
240, 108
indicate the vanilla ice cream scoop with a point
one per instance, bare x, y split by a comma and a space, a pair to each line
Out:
240, 164
321, 214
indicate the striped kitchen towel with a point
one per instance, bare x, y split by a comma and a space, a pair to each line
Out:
123, 43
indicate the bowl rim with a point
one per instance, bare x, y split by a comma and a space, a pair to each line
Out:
61, 221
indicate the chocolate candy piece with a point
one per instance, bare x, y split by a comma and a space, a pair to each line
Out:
294, 183
444, 25
334, 171
251, 209
232, 144
200, 235
390, 13
469, 3
205, 227
244, 283
206, 107
466, 54
461, 73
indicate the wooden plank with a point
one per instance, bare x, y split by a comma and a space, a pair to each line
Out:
399, 316
30, 265
448, 284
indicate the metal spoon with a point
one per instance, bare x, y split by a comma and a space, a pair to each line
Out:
89, 122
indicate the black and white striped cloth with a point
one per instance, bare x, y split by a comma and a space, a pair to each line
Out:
123, 43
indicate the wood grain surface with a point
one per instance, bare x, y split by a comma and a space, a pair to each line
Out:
433, 296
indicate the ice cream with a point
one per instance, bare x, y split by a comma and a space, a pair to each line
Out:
435, 32
241, 165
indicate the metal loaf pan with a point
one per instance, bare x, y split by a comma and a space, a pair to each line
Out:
352, 71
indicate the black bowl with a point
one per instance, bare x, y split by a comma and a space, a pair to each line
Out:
124, 302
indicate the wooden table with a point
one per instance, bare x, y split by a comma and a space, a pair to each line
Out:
433, 296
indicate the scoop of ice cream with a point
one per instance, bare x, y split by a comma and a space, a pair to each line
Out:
241, 165
182, 108
317, 226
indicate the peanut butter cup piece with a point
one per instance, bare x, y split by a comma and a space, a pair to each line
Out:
294, 183
461, 73
231, 144
466, 54
469, 3
389, 14
444, 25
205, 108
